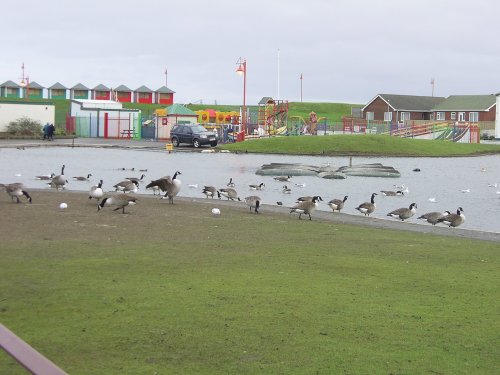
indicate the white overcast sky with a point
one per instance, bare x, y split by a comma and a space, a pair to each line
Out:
347, 50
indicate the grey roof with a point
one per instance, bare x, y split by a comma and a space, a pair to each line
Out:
266, 100
143, 89
165, 90
79, 86
411, 102
10, 84
467, 103
123, 88
35, 85
101, 87
58, 86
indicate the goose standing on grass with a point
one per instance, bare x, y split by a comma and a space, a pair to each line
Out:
453, 220
127, 186
16, 190
257, 187
45, 177
96, 191
389, 193
306, 207
404, 213
433, 217
210, 191
231, 184
367, 207
286, 190
282, 178
59, 181
170, 185
82, 178
337, 204
253, 201
229, 193
136, 179
120, 201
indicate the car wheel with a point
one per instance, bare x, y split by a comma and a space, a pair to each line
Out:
175, 142
196, 143
213, 144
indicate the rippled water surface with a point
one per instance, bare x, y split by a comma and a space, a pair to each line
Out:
443, 179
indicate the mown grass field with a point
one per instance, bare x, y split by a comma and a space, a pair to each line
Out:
171, 289
360, 145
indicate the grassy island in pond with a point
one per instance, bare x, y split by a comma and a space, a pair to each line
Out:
383, 145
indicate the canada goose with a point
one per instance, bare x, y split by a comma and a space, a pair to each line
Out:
306, 207
402, 187
15, 190
96, 191
253, 201
367, 207
127, 186
45, 177
308, 198
209, 191
229, 193
119, 200
231, 183
286, 190
433, 217
60, 180
337, 204
136, 179
453, 220
257, 187
389, 193
404, 213
279, 203
282, 178
82, 178
170, 185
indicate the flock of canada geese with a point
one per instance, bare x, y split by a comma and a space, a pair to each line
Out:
170, 187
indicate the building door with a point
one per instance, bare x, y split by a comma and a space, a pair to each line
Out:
461, 116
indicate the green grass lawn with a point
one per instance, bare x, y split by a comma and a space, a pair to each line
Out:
170, 289
360, 145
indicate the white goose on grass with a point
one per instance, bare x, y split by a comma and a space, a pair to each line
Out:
120, 201
306, 207
16, 190
404, 213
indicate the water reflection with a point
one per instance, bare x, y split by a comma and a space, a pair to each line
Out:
437, 187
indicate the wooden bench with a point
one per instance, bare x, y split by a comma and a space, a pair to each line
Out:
129, 133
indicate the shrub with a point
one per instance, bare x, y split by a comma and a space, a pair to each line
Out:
25, 126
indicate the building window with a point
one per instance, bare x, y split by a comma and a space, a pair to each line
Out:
143, 95
405, 116
440, 116
453, 115
473, 116
370, 116
387, 116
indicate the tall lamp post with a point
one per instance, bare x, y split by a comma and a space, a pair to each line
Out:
242, 70
25, 84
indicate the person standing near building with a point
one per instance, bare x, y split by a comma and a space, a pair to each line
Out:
45, 131
50, 133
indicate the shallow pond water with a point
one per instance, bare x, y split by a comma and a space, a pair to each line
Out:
441, 180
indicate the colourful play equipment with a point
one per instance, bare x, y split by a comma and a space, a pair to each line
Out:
272, 117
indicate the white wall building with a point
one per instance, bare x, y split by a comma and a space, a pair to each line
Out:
12, 111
